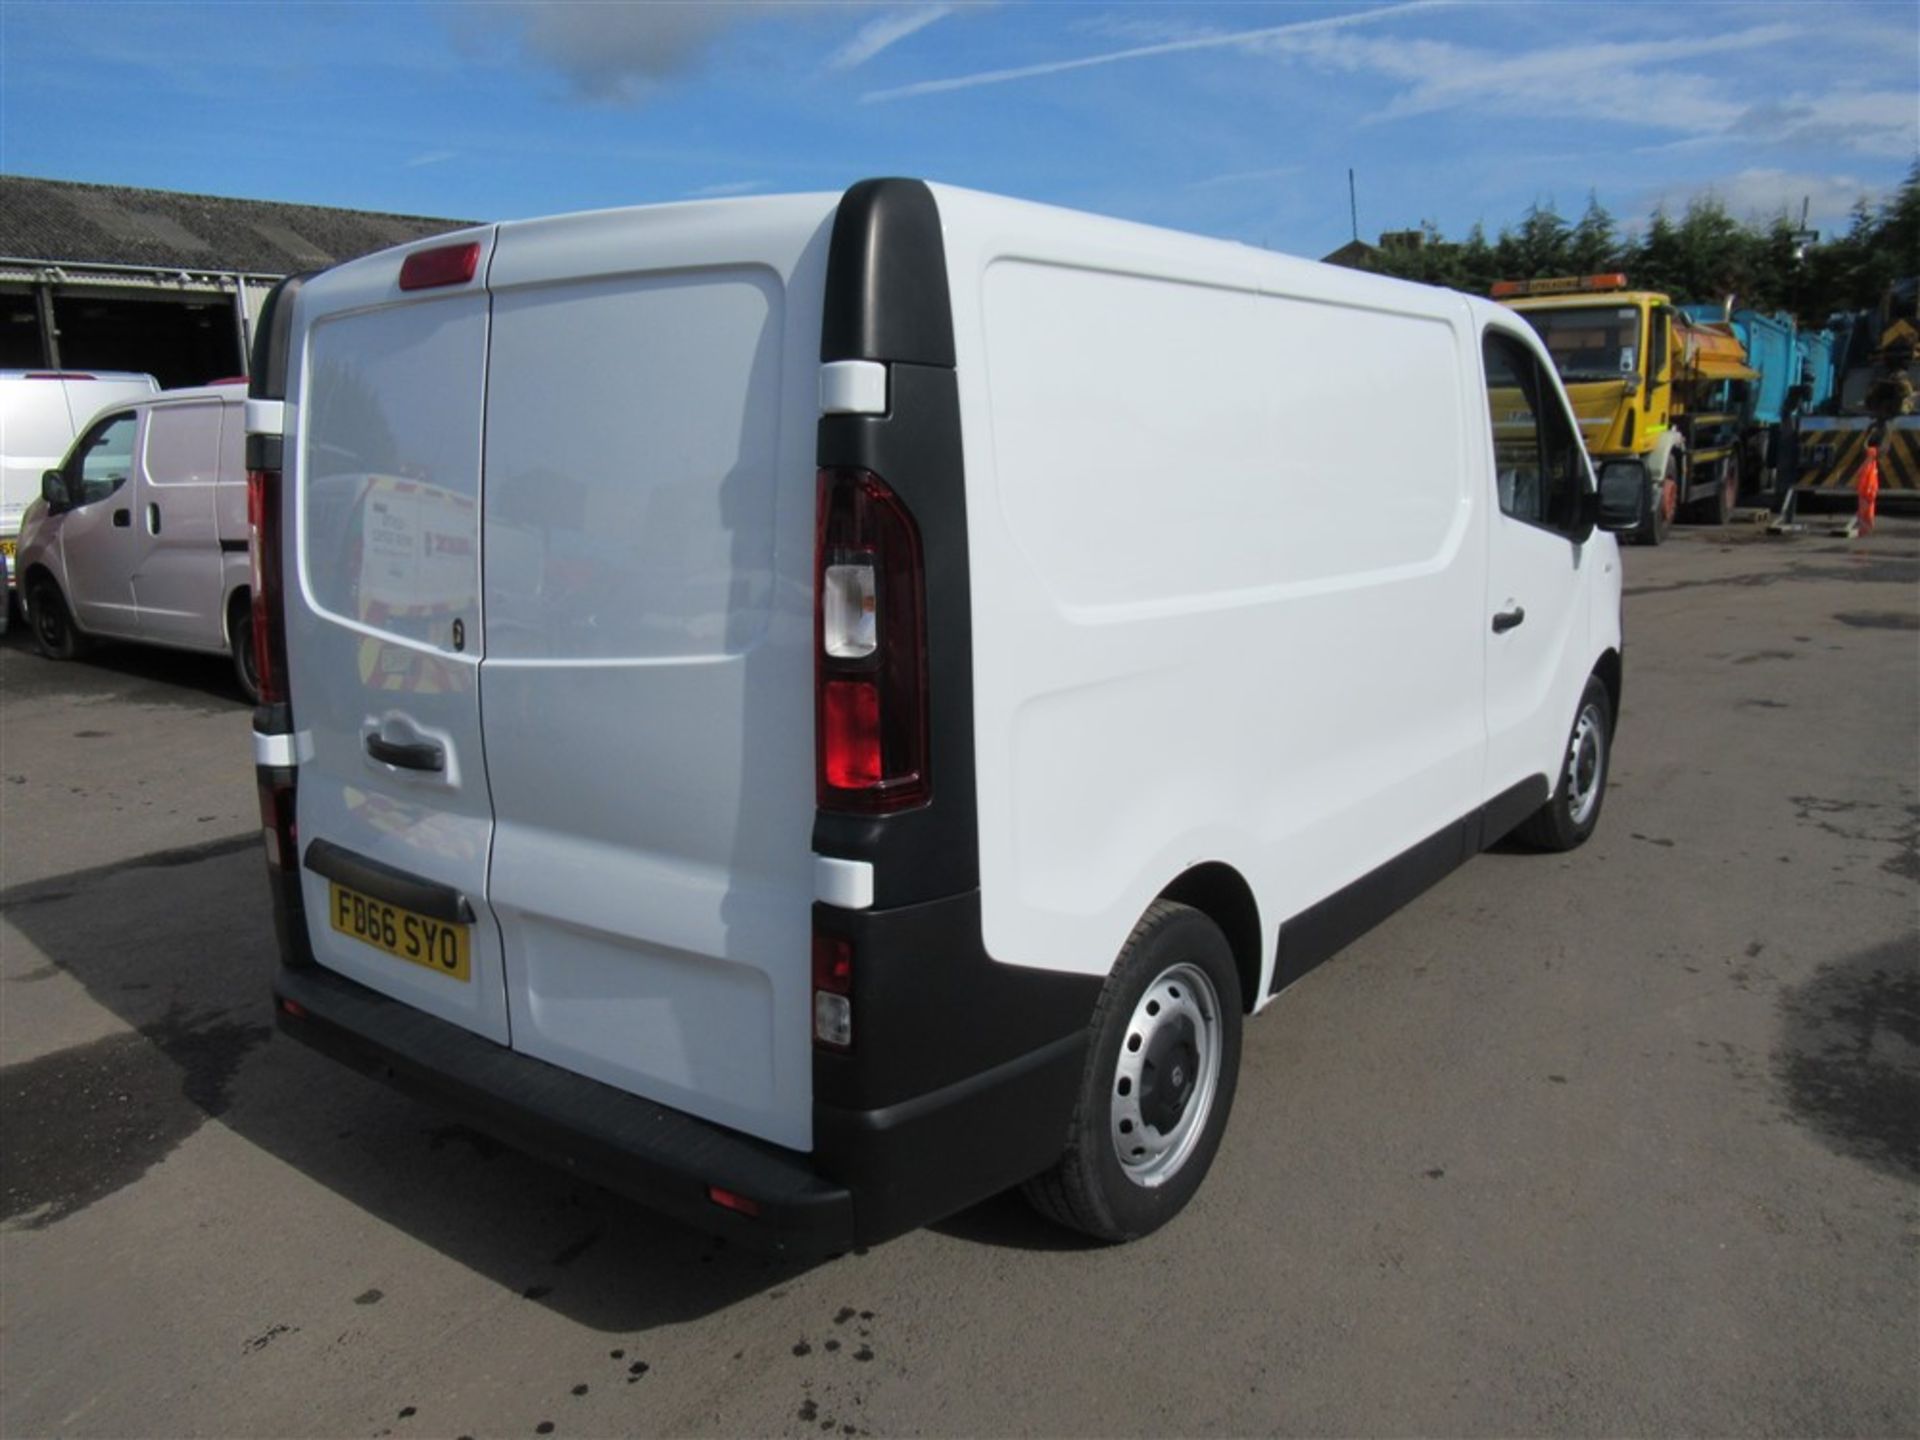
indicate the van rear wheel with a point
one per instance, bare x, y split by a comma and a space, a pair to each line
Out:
54, 633
1163, 1061
246, 672
1570, 814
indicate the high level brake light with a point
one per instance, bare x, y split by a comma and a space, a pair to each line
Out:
870, 656
443, 265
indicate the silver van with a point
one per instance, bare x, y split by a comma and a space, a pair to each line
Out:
40, 413
141, 532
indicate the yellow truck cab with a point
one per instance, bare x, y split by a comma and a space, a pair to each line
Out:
1649, 387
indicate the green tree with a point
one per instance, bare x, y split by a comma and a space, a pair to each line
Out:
1592, 248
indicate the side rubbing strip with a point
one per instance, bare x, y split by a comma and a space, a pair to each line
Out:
1322, 930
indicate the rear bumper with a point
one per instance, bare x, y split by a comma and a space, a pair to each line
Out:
963, 1085
875, 1172
661, 1157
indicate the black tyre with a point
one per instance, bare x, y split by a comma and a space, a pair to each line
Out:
1726, 495
1163, 1061
1663, 503
1570, 814
54, 633
246, 672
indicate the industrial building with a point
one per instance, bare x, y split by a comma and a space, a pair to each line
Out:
108, 277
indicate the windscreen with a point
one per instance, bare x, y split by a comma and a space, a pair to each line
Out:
1601, 342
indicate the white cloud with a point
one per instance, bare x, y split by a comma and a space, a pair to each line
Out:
619, 53
1237, 39
1242, 177
1760, 194
884, 30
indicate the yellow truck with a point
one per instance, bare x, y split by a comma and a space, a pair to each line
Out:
1650, 387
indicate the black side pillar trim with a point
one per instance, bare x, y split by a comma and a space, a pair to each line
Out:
887, 300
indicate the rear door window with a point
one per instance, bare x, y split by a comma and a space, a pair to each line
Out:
392, 459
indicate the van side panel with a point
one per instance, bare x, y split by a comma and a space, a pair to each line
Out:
177, 582
1228, 573
649, 679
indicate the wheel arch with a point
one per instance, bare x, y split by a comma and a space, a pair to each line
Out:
240, 597
1222, 894
1612, 673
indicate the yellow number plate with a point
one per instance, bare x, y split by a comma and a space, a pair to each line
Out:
442, 946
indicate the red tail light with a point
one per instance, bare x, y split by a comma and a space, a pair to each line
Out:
269, 599
870, 650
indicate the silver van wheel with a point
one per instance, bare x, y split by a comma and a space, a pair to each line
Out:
1586, 764
1167, 1071
1156, 1090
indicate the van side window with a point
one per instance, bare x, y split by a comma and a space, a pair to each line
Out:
1536, 452
183, 444
102, 460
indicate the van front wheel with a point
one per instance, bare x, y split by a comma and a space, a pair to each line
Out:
1163, 1061
1568, 817
54, 633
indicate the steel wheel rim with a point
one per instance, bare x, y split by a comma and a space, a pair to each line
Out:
1585, 766
1179, 1007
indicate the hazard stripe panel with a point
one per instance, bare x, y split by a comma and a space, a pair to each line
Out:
1830, 456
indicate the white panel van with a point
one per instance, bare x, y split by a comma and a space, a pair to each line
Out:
812, 711
141, 532
40, 413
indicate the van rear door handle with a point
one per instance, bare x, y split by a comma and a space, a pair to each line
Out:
153, 519
418, 755
1508, 619
122, 519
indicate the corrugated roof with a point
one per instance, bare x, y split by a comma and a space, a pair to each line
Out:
62, 222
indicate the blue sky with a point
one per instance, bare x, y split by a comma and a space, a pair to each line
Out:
1238, 120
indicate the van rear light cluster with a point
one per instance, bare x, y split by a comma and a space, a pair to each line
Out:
870, 653
278, 827
269, 599
832, 991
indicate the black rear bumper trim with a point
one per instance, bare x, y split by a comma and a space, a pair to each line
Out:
661, 1157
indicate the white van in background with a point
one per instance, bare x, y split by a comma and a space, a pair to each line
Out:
141, 532
814, 710
40, 413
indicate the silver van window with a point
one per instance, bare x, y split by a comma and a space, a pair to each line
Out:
183, 444
104, 459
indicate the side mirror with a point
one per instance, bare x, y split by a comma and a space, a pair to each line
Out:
1621, 502
53, 490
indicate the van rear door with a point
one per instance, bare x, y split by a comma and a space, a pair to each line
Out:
385, 635
651, 410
